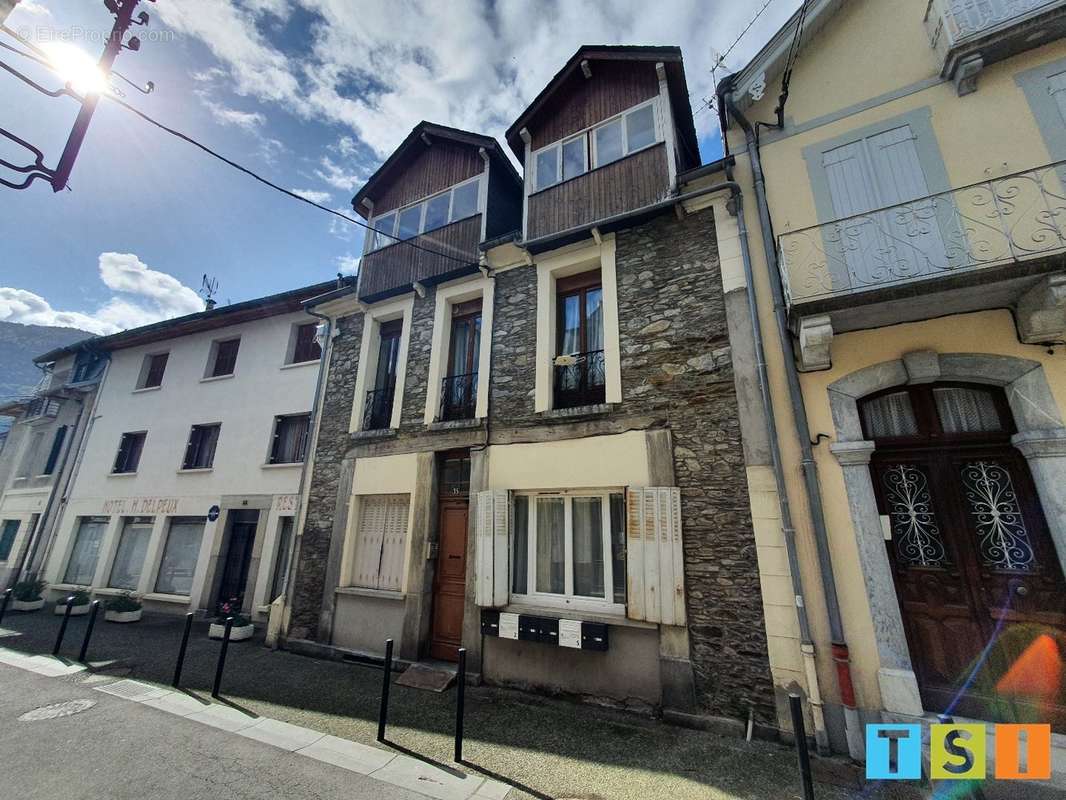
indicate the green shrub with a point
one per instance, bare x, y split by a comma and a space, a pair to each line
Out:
81, 598
28, 591
124, 603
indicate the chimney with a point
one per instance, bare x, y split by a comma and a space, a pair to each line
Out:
209, 304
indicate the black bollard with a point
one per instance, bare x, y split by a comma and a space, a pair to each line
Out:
460, 705
3, 604
181, 651
63, 626
383, 712
222, 657
88, 631
796, 704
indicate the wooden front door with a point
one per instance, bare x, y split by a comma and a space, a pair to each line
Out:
242, 527
449, 580
977, 577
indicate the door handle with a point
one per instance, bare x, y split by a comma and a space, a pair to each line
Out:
1023, 590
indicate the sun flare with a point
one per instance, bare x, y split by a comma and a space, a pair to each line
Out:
76, 67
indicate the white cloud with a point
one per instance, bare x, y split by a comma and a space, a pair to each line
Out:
224, 115
348, 264
314, 196
143, 296
337, 176
379, 68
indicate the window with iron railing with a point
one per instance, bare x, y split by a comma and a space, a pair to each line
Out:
458, 398
580, 373
377, 409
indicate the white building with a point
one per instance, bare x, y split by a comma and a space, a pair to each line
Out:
189, 482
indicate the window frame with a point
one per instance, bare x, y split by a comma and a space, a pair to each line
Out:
58, 440
105, 523
146, 371
188, 443
279, 419
393, 234
567, 600
589, 135
930, 427
168, 533
122, 440
294, 354
126, 524
8, 536
212, 363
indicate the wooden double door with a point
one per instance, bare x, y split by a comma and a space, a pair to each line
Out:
978, 580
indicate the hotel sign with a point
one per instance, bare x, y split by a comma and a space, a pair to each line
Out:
141, 505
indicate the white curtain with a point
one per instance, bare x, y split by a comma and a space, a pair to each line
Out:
588, 546
551, 550
964, 410
890, 415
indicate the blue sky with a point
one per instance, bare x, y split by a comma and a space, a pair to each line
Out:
312, 94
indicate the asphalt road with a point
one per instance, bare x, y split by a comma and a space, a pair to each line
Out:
117, 749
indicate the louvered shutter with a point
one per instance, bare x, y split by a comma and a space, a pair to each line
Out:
492, 548
394, 544
368, 542
655, 577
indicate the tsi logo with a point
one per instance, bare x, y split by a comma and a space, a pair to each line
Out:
958, 752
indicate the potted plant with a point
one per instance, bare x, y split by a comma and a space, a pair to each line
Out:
242, 626
123, 608
79, 607
26, 596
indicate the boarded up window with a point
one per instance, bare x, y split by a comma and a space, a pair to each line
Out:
380, 543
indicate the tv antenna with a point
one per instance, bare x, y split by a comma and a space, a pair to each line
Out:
208, 289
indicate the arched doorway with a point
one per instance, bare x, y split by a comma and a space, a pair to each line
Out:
977, 578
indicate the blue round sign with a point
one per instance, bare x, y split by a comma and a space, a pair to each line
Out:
213, 512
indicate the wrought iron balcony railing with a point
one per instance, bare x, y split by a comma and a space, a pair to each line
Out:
377, 410
580, 379
1000, 221
458, 397
952, 22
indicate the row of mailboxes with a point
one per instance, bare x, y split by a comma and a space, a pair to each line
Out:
571, 633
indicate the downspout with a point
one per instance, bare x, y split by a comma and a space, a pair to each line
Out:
788, 530
288, 587
809, 468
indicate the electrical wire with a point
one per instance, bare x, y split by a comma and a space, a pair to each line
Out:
710, 104
235, 165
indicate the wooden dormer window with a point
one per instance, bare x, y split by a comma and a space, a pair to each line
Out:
453, 204
626, 133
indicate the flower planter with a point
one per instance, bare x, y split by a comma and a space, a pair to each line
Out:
27, 605
75, 611
123, 616
218, 631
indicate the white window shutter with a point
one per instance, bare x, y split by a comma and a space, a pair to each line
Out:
368, 542
394, 545
492, 542
655, 578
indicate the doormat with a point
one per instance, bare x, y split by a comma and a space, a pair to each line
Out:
433, 677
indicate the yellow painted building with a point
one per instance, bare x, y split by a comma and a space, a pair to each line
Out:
911, 209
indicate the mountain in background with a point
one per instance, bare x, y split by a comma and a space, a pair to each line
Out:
19, 345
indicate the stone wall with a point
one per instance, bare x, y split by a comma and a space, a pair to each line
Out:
333, 443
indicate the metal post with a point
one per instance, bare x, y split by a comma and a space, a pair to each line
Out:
222, 657
3, 604
460, 706
63, 626
383, 712
88, 631
796, 705
181, 651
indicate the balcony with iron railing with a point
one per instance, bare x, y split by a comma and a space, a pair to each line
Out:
970, 34
458, 397
580, 379
1016, 223
377, 409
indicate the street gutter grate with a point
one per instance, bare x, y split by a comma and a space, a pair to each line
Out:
131, 690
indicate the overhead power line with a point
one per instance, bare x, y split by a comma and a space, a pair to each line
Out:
708, 103
231, 163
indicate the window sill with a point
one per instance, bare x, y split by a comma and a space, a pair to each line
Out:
109, 591
456, 424
183, 599
122, 474
558, 612
377, 433
214, 378
69, 587
144, 389
379, 594
285, 465
296, 364
599, 409
195, 471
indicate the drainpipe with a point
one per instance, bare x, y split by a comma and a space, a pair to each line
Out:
788, 530
809, 468
289, 585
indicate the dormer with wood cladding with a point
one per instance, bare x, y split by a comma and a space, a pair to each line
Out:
607, 136
440, 194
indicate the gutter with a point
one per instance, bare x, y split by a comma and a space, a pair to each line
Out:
852, 724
